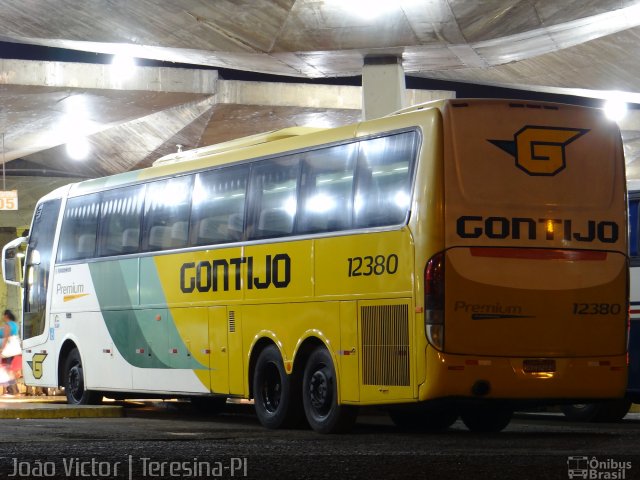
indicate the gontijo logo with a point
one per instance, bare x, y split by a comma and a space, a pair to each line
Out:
36, 364
540, 150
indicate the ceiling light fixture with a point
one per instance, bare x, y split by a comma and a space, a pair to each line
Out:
615, 108
369, 9
78, 148
122, 66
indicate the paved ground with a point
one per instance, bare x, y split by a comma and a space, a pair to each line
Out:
53, 407
170, 441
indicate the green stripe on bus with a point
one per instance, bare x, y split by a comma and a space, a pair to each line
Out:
141, 339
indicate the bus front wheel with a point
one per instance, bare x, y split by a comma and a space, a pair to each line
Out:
275, 398
486, 419
73, 382
320, 396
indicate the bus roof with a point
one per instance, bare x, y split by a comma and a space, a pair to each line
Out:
181, 161
235, 144
423, 106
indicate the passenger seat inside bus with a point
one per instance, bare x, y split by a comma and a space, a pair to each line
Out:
209, 231
274, 222
159, 237
216, 230
130, 239
234, 227
179, 234
86, 245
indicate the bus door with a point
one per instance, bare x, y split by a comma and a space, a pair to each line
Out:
39, 259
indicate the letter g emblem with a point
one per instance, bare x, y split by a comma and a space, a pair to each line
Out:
540, 150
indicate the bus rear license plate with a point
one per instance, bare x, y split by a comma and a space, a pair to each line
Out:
539, 366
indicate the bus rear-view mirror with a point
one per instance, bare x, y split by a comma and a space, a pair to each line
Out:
12, 261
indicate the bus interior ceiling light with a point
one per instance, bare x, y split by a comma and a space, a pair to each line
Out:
78, 148
122, 66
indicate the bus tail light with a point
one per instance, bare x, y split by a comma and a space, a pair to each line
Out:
434, 300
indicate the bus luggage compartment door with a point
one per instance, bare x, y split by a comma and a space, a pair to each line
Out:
218, 348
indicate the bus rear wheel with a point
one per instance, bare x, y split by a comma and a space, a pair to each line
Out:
73, 382
486, 419
608, 411
424, 420
580, 412
613, 410
276, 400
320, 396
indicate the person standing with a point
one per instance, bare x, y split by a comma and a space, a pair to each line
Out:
9, 328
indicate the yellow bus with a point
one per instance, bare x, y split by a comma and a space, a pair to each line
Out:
457, 259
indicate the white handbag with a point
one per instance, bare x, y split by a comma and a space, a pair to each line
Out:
4, 376
12, 347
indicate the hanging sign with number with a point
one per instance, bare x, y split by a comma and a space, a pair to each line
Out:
8, 200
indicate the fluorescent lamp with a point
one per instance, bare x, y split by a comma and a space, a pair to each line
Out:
615, 109
78, 148
122, 66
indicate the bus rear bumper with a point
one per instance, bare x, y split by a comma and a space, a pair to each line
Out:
548, 379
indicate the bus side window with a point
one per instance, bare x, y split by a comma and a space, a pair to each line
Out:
217, 212
383, 191
79, 228
275, 187
166, 214
120, 215
327, 189
633, 228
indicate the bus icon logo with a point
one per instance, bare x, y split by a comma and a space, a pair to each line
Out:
540, 151
578, 467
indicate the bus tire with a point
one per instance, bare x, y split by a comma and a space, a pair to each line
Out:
424, 420
602, 412
320, 396
486, 419
73, 382
581, 412
209, 405
276, 400
613, 410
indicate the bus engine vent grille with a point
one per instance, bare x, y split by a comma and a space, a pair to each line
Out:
385, 345
232, 321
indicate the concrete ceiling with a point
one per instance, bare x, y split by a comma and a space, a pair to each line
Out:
129, 125
536, 42
582, 47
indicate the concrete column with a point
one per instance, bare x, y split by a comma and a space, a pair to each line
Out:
383, 86
10, 295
